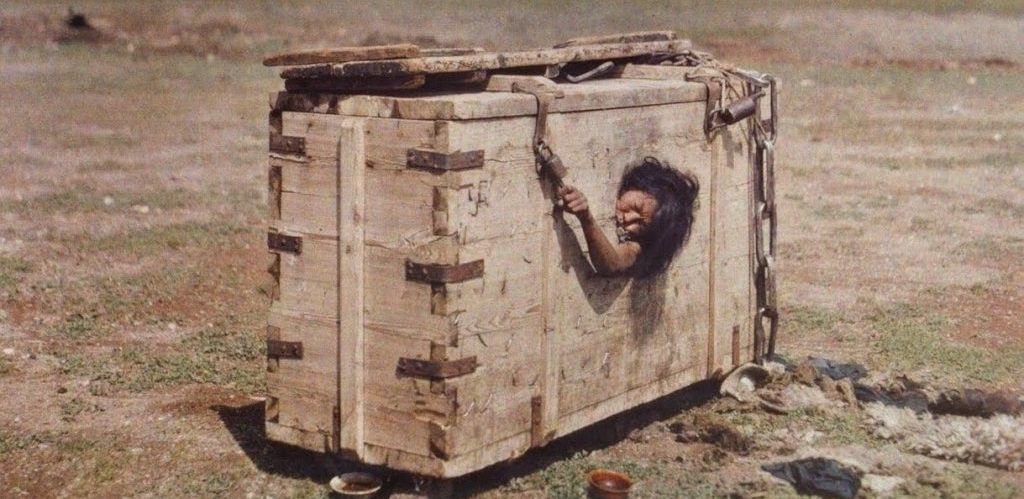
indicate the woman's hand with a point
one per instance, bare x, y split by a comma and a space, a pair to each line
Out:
574, 202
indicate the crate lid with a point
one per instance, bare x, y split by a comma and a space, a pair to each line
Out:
609, 93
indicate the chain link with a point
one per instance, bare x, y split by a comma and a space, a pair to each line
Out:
764, 134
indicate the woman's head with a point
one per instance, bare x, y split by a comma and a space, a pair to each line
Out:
655, 207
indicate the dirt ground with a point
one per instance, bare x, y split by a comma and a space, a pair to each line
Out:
132, 284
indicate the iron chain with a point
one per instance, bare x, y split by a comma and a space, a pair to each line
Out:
765, 227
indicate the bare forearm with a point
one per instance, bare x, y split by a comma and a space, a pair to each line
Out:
607, 257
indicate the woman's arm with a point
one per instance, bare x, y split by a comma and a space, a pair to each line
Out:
608, 258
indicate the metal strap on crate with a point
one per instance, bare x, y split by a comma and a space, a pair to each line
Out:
548, 163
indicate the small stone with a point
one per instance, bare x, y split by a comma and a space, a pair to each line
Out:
9, 352
972, 80
141, 208
806, 82
108, 201
997, 137
62, 390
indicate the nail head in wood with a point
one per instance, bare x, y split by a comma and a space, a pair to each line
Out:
426, 158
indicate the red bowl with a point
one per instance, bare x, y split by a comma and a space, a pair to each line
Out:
608, 484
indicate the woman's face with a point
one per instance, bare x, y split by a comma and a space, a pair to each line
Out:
634, 211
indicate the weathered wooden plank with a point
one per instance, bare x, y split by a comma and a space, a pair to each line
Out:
635, 37
301, 178
505, 196
354, 85
401, 213
456, 466
304, 387
733, 285
632, 398
394, 402
351, 215
596, 94
387, 141
311, 214
507, 377
485, 60
399, 306
342, 54
652, 72
312, 440
316, 263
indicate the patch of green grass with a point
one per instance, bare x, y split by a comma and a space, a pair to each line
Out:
911, 339
10, 442
210, 235
106, 468
840, 211
995, 206
999, 161
84, 199
921, 224
71, 409
803, 318
215, 356
989, 247
81, 327
11, 270
210, 485
107, 165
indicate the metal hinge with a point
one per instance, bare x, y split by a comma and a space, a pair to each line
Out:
427, 158
442, 273
284, 243
284, 349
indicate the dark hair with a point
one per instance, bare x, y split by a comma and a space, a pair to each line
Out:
676, 193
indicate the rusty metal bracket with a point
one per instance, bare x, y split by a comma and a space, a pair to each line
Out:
287, 145
441, 273
436, 369
284, 349
284, 243
433, 160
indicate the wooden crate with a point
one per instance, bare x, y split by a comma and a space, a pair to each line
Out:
415, 227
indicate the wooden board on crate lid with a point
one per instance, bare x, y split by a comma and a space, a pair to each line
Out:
343, 54
425, 64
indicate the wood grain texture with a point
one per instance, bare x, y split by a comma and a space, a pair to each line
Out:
351, 247
485, 60
596, 94
342, 54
